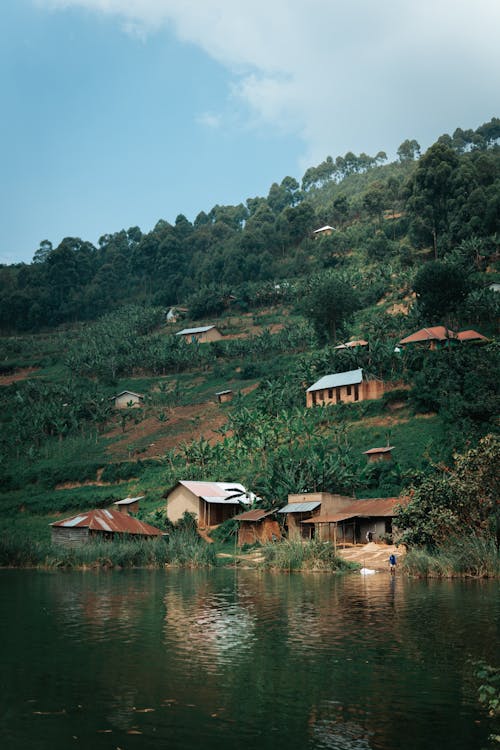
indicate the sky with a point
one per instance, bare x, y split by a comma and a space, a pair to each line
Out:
118, 113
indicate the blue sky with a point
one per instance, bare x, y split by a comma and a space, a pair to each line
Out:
117, 113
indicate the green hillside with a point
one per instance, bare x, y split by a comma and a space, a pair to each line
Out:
415, 243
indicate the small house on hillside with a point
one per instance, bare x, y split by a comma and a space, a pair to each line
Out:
100, 524
358, 522
223, 396
305, 506
128, 504
127, 399
325, 231
471, 335
433, 337
175, 313
210, 502
374, 455
257, 526
348, 387
352, 344
202, 334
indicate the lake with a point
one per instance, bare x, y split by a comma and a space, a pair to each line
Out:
242, 659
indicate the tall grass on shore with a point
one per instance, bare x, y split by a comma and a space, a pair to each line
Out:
304, 555
182, 549
472, 556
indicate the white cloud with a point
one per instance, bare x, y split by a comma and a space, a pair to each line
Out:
343, 74
209, 120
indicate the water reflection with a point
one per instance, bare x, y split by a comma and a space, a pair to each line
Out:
243, 659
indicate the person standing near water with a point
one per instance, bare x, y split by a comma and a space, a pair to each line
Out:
392, 562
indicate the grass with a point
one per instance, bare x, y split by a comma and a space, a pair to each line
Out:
475, 557
311, 555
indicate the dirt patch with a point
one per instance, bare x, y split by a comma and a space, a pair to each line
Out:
252, 331
185, 423
14, 377
373, 556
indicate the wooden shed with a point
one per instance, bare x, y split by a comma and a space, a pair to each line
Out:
128, 504
258, 526
202, 335
223, 396
98, 525
374, 455
127, 400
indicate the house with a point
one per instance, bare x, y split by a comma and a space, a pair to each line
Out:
223, 396
433, 337
323, 231
305, 506
494, 286
127, 399
175, 313
355, 522
201, 334
95, 525
471, 335
374, 455
128, 505
352, 344
348, 387
210, 502
257, 526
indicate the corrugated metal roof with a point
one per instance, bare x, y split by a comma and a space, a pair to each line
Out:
385, 449
254, 515
299, 507
351, 344
187, 331
471, 335
219, 492
376, 507
109, 520
222, 393
323, 229
351, 377
434, 333
131, 393
129, 500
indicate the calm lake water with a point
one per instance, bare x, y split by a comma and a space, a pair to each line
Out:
225, 659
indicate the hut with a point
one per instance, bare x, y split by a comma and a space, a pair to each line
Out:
302, 507
257, 526
223, 396
128, 504
361, 521
210, 503
202, 335
432, 338
352, 344
348, 387
100, 524
374, 455
127, 399
325, 231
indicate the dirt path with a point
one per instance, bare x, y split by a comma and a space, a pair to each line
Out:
14, 377
373, 556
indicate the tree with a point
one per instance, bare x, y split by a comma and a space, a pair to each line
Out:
408, 150
440, 288
329, 300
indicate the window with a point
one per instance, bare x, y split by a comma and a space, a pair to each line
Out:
356, 392
348, 390
330, 393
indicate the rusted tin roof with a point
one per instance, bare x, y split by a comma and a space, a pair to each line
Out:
352, 344
373, 451
110, 521
434, 333
377, 507
471, 335
254, 515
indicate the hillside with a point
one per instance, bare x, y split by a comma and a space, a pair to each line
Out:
415, 244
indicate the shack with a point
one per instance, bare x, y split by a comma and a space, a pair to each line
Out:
257, 526
374, 455
202, 335
352, 344
306, 506
128, 504
352, 524
325, 231
223, 396
210, 503
127, 400
98, 525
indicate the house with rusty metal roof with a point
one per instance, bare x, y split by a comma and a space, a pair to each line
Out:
100, 524
202, 334
347, 387
357, 522
374, 455
210, 503
258, 525
432, 337
471, 335
308, 505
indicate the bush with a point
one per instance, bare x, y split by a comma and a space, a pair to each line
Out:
299, 555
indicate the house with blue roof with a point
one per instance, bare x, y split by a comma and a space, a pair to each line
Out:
346, 387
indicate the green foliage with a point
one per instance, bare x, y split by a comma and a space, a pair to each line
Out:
226, 531
327, 301
301, 555
489, 687
472, 556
